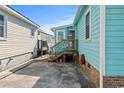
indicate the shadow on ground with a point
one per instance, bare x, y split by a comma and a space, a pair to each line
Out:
84, 80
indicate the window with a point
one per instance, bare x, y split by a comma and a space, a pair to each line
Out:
2, 26
32, 32
87, 26
60, 36
39, 32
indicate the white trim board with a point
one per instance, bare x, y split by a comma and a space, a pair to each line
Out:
102, 44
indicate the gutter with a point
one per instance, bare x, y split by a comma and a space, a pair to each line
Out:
60, 27
18, 15
41, 31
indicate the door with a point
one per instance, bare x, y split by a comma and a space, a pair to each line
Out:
71, 38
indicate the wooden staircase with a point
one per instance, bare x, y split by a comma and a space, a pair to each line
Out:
62, 49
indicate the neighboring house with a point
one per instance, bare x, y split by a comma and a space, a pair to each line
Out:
63, 32
18, 38
45, 42
101, 40
65, 43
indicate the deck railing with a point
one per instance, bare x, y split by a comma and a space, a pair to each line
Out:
63, 45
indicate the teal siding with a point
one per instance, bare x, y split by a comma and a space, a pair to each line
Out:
114, 40
90, 48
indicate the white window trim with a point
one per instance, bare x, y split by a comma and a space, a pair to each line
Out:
89, 10
5, 27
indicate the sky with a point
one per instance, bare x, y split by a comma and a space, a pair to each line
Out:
48, 16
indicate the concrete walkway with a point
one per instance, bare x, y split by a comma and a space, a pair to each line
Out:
42, 74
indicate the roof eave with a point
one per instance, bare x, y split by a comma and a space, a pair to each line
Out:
11, 11
44, 32
59, 27
77, 14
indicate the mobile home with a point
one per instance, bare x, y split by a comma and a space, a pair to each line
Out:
100, 32
45, 42
65, 42
63, 32
18, 37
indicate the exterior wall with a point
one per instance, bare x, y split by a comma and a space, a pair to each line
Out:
114, 65
90, 48
114, 49
19, 39
46, 37
50, 40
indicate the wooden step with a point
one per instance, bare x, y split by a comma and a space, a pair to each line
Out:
55, 57
66, 52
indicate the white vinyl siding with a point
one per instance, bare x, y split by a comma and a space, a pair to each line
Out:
18, 39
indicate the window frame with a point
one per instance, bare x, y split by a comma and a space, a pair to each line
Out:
88, 11
62, 34
32, 35
5, 27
